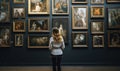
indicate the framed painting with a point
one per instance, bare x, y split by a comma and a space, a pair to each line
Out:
18, 12
97, 1
38, 25
79, 1
113, 17
79, 17
97, 27
113, 1
60, 7
19, 26
80, 39
98, 41
62, 24
38, 6
19, 1
19, 39
114, 38
97, 11
38, 41
4, 12
5, 39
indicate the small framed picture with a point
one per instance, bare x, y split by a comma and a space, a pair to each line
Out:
79, 1
79, 39
19, 39
113, 1
60, 7
98, 41
38, 25
38, 41
97, 27
5, 39
97, 1
19, 26
38, 6
97, 11
79, 17
18, 12
113, 17
114, 38
19, 1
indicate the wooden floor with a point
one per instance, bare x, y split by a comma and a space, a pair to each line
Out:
64, 68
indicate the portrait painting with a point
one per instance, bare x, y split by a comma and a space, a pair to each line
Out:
98, 40
114, 38
5, 38
113, 17
97, 12
113, 1
38, 25
79, 1
62, 25
79, 39
19, 1
60, 7
97, 27
97, 1
4, 12
38, 6
80, 17
38, 41
18, 12
19, 26
18, 39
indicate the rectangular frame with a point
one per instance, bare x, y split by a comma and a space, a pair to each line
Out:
19, 12
38, 24
113, 1
80, 18
19, 39
97, 1
78, 1
19, 2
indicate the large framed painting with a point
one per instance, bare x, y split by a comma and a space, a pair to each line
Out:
62, 24
4, 12
19, 12
113, 17
98, 41
19, 1
38, 6
79, 17
97, 11
97, 1
38, 25
79, 1
80, 39
114, 38
38, 41
19, 26
113, 1
97, 27
60, 7
19, 39
5, 39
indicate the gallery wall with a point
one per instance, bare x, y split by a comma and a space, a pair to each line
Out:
82, 55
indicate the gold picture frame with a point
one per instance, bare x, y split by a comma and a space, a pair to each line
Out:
19, 39
80, 1
113, 1
97, 1
19, 12
19, 1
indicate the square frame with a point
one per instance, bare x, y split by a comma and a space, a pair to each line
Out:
74, 1
19, 39
19, 12
19, 2
97, 1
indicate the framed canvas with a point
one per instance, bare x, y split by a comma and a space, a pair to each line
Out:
97, 11
80, 39
4, 12
113, 17
97, 1
97, 27
38, 6
18, 12
98, 41
79, 1
5, 39
38, 25
18, 1
19, 26
114, 38
62, 24
79, 17
19, 39
60, 7
113, 1
38, 41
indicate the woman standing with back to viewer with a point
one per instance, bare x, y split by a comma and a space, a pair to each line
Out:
56, 46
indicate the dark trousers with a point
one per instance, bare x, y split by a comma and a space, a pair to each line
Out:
56, 62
